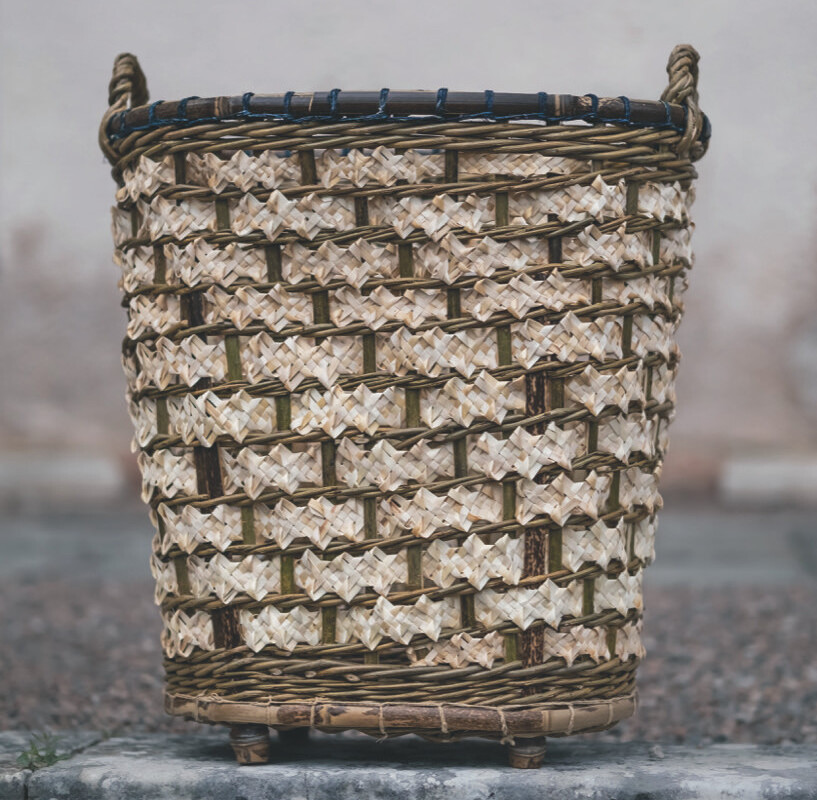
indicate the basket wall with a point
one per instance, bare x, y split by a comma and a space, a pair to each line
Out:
401, 397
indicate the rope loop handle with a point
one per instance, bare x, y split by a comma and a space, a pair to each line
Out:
127, 88
682, 89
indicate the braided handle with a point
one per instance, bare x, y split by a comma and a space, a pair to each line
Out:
126, 89
682, 69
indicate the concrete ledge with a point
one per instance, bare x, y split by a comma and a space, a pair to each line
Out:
160, 767
14, 777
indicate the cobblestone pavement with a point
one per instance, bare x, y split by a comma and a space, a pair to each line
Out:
731, 629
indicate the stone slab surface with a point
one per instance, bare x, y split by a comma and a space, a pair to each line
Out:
13, 778
353, 767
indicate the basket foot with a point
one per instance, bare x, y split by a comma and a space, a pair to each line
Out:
294, 737
250, 743
528, 754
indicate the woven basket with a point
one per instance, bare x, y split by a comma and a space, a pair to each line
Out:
401, 366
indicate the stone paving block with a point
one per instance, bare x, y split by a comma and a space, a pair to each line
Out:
161, 767
13, 778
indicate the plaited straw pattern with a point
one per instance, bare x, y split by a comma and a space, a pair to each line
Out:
400, 394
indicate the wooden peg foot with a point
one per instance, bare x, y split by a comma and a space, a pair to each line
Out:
527, 753
250, 743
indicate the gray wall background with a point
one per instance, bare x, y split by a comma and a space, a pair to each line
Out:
748, 384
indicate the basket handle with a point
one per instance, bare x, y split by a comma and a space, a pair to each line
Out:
682, 89
126, 89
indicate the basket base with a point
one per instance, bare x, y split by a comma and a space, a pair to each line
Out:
522, 728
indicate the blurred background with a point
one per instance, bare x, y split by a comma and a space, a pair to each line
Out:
734, 580
747, 413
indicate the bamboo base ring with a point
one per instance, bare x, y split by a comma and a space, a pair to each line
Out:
521, 727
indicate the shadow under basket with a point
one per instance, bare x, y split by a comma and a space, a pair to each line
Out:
400, 367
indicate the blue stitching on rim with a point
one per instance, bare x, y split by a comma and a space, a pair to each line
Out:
288, 106
626, 102
152, 113
381, 105
627, 119
245, 104
594, 107
592, 116
543, 106
706, 129
183, 106
442, 96
489, 108
333, 103
124, 130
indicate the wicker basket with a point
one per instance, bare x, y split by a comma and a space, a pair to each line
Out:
401, 367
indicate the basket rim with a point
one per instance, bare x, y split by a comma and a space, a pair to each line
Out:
421, 107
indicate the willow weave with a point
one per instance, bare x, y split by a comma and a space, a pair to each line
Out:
401, 392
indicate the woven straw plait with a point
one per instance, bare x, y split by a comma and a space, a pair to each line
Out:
400, 406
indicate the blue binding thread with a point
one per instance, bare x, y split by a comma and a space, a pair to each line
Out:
183, 107
333, 103
489, 108
381, 104
288, 105
152, 112
123, 129
627, 119
543, 105
245, 104
442, 96
118, 128
706, 129
626, 102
